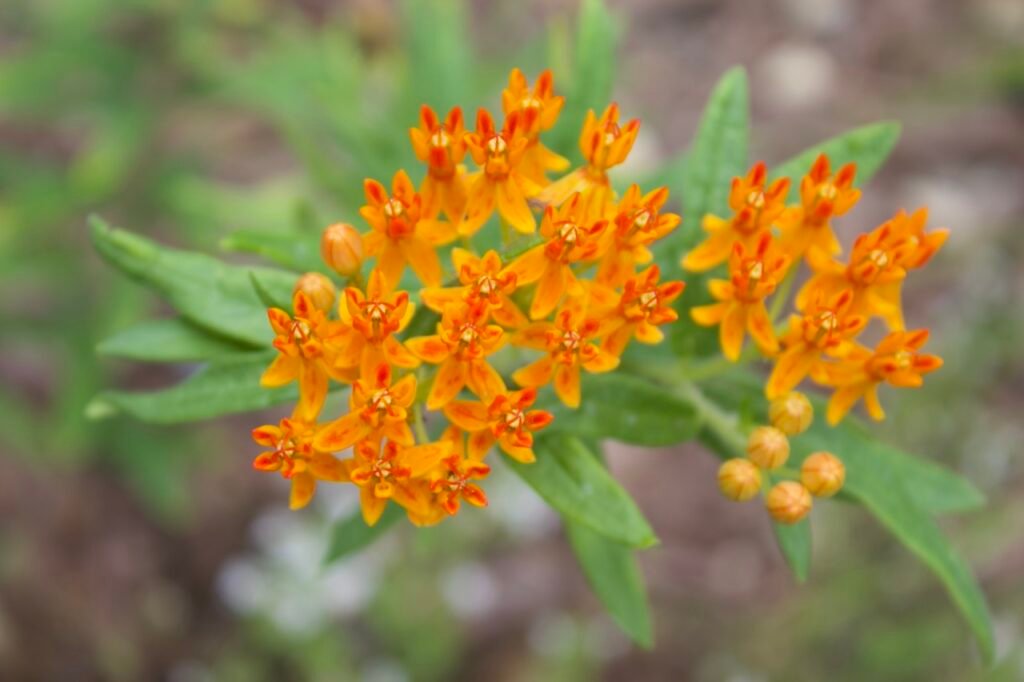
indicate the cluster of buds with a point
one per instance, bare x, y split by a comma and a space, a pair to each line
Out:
571, 289
787, 499
766, 238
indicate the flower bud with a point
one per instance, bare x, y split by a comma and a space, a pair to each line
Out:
739, 480
788, 502
341, 247
823, 474
318, 288
792, 413
768, 447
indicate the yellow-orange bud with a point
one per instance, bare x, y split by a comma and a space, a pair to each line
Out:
823, 474
341, 247
319, 288
788, 502
792, 413
768, 447
739, 480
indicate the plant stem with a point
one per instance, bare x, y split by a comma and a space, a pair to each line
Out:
782, 296
418, 425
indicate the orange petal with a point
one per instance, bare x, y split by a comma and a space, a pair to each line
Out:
328, 468
513, 206
284, 369
372, 505
467, 415
479, 206
303, 488
429, 349
342, 433
567, 384
733, 330
535, 374
423, 259
450, 379
312, 391
550, 290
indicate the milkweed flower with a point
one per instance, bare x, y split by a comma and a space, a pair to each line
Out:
823, 474
767, 447
501, 181
341, 248
482, 279
791, 413
569, 239
453, 482
539, 108
753, 276
292, 454
506, 420
822, 197
919, 246
644, 305
460, 349
401, 235
756, 207
375, 317
377, 408
788, 502
639, 222
393, 472
739, 479
896, 361
440, 145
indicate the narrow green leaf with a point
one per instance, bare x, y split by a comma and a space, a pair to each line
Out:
868, 146
612, 572
626, 408
439, 57
225, 386
206, 291
168, 340
351, 534
298, 251
795, 542
571, 479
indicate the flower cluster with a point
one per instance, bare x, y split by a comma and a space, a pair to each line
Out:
763, 243
568, 290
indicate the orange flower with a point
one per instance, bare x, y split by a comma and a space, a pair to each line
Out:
394, 472
441, 146
308, 346
401, 234
919, 247
376, 317
453, 483
540, 108
756, 208
461, 346
571, 343
379, 409
895, 361
828, 326
741, 308
643, 306
292, 453
874, 274
569, 240
638, 223
505, 420
822, 197
501, 181
482, 279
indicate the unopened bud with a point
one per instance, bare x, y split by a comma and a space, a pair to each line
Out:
792, 413
739, 480
823, 474
768, 447
341, 247
788, 502
319, 289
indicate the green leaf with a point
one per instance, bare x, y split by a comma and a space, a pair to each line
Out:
626, 408
612, 572
351, 534
225, 386
169, 340
795, 542
868, 146
439, 58
299, 251
206, 291
571, 479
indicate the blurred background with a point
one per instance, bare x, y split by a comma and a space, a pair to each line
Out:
134, 552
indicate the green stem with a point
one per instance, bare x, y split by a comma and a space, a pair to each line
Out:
782, 296
418, 426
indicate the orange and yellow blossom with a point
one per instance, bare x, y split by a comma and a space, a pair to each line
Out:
895, 361
756, 207
377, 408
293, 454
918, 246
501, 181
822, 197
460, 348
308, 346
645, 304
570, 239
440, 145
827, 327
482, 279
453, 482
540, 109
741, 308
570, 342
637, 224
393, 472
375, 317
400, 233
506, 420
